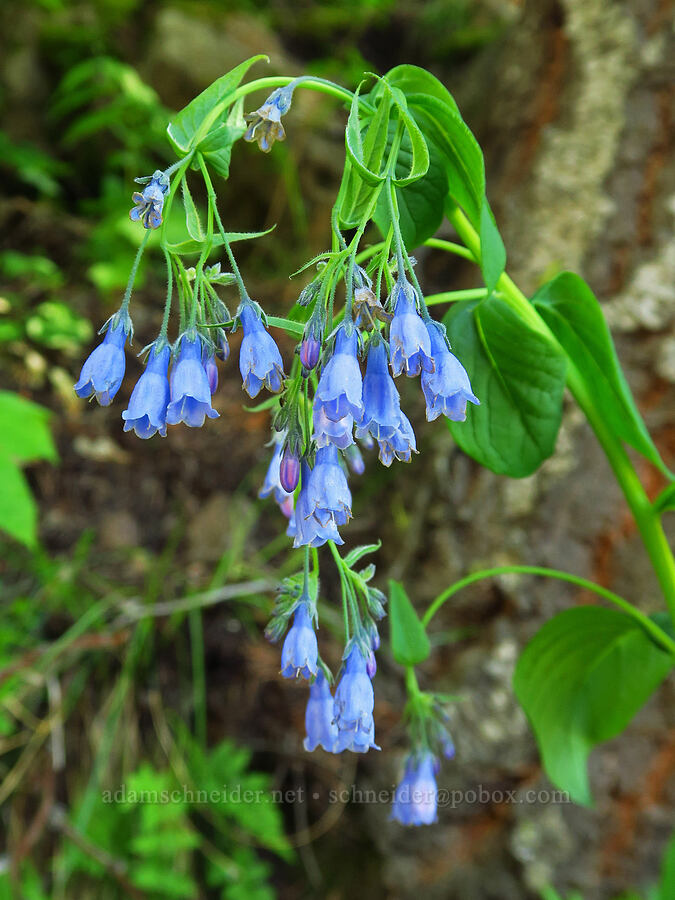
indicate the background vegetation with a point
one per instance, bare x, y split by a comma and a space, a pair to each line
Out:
127, 660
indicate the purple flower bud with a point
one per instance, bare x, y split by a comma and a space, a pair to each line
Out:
289, 471
371, 665
210, 367
310, 350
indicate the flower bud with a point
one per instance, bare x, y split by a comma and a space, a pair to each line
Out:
310, 350
289, 471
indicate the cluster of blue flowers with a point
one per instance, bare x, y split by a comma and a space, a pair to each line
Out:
316, 439
343, 721
350, 406
160, 398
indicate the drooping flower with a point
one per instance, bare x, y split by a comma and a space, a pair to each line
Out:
416, 796
289, 471
354, 703
446, 390
103, 370
308, 529
149, 204
408, 338
329, 496
340, 389
359, 739
381, 402
401, 445
146, 413
189, 384
272, 482
326, 431
260, 362
265, 123
321, 729
300, 651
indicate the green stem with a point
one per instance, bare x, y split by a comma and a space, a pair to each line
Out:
450, 247
412, 687
647, 520
134, 269
454, 296
243, 293
345, 609
660, 636
305, 573
169, 291
308, 81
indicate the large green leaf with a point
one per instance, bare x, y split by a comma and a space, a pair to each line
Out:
409, 641
571, 311
434, 110
24, 430
18, 512
413, 81
492, 250
195, 121
519, 377
580, 680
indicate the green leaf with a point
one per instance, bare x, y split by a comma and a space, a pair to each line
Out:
419, 152
580, 680
412, 80
193, 246
409, 641
192, 221
356, 144
216, 148
667, 886
374, 138
571, 311
518, 375
420, 204
359, 552
443, 126
18, 512
666, 500
24, 432
201, 115
492, 250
